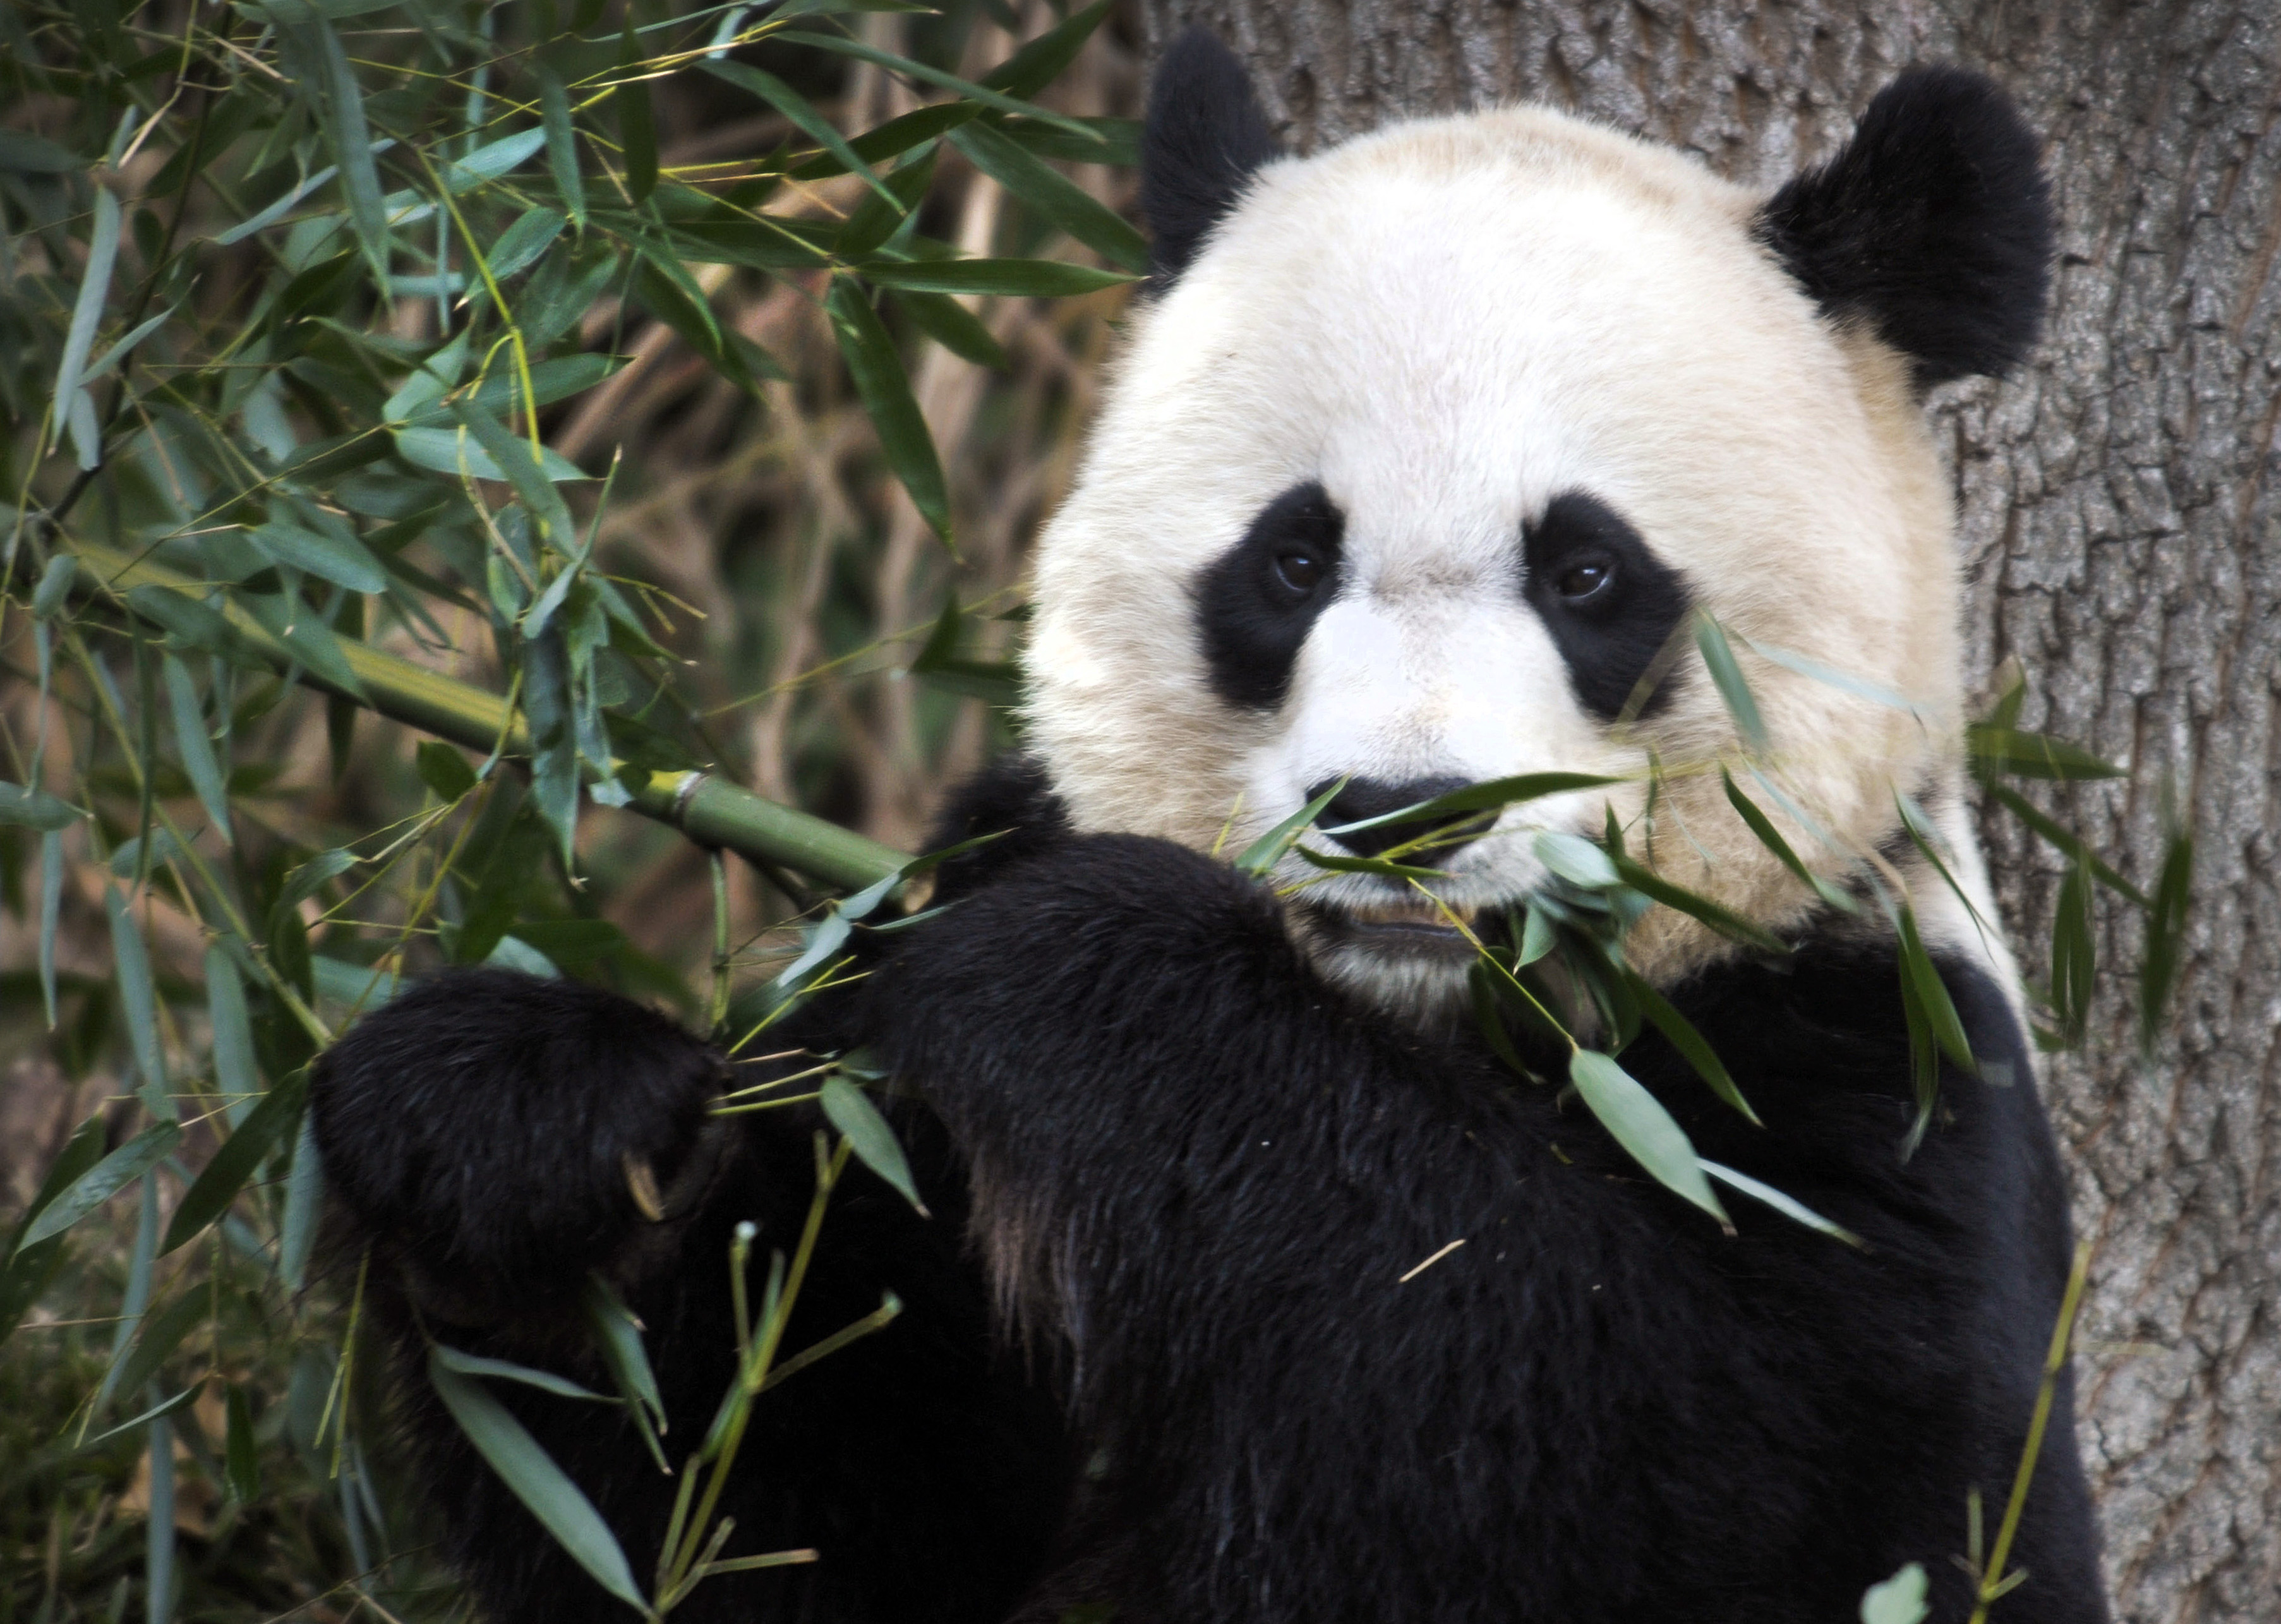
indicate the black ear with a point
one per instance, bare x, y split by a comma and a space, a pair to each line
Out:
1934, 225
1204, 134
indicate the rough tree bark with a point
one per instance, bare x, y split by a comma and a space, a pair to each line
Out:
2122, 525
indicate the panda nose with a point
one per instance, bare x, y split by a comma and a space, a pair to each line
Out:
1371, 797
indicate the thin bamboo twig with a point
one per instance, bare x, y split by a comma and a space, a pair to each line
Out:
708, 809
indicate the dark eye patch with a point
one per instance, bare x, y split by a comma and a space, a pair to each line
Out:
1608, 602
1257, 602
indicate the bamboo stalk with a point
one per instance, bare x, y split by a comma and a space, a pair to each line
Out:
710, 810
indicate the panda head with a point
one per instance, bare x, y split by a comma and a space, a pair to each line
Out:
1429, 450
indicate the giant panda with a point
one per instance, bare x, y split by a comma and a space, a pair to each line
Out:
1423, 454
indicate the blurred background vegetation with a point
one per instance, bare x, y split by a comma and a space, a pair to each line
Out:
554, 348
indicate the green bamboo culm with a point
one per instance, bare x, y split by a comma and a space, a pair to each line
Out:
708, 809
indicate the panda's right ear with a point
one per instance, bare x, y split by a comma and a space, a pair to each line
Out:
1933, 225
1204, 135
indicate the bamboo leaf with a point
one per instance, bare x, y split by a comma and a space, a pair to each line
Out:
1933, 1002
51, 897
2166, 934
114, 1172
561, 1508
878, 218
448, 451
80, 1152
309, 878
2066, 841
1053, 196
2073, 956
54, 590
443, 769
305, 633
353, 145
86, 318
664, 289
1040, 62
341, 559
562, 140
1790, 1207
1482, 797
161, 1335
885, 390
492, 160
1260, 856
892, 139
954, 327
27, 1271
545, 1380
1113, 141
637, 120
1831, 676
23, 154
130, 964
1723, 920
195, 746
1575, 858
1538, 937
797, 108
137, 1295
2034, 755
841, 45
852, 1112
233, 1029
1899, 1600
1771, 837
618, 1335
1727, 677
305, 1200
533, 232
240, 1457
526, 470
156, 1412
1640, 1124
125, 347
1013, 278
34, 809
1337, 864
1489, 1022
1681, 1033
240, 1156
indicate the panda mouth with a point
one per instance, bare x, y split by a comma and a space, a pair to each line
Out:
1395, 927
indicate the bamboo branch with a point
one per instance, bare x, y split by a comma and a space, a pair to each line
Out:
708, 809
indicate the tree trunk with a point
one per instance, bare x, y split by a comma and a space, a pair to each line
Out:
2119, 525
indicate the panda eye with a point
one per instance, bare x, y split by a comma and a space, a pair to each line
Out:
1298, 573
1583, 580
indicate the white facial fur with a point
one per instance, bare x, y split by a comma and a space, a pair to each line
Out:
1448, 323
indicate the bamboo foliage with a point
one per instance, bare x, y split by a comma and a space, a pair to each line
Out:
435, 434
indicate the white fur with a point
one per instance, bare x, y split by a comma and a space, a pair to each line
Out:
1448, 323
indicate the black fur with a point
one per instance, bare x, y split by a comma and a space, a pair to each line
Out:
1204, 135
1251, 621
470, 1131
1610, 638
1934, 225
1201, 1175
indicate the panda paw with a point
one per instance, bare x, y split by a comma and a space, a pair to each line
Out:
501, 1135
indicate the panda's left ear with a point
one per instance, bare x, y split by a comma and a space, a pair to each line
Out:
1933, 225
1204, 135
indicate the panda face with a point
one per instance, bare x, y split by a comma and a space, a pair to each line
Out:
1419, 475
